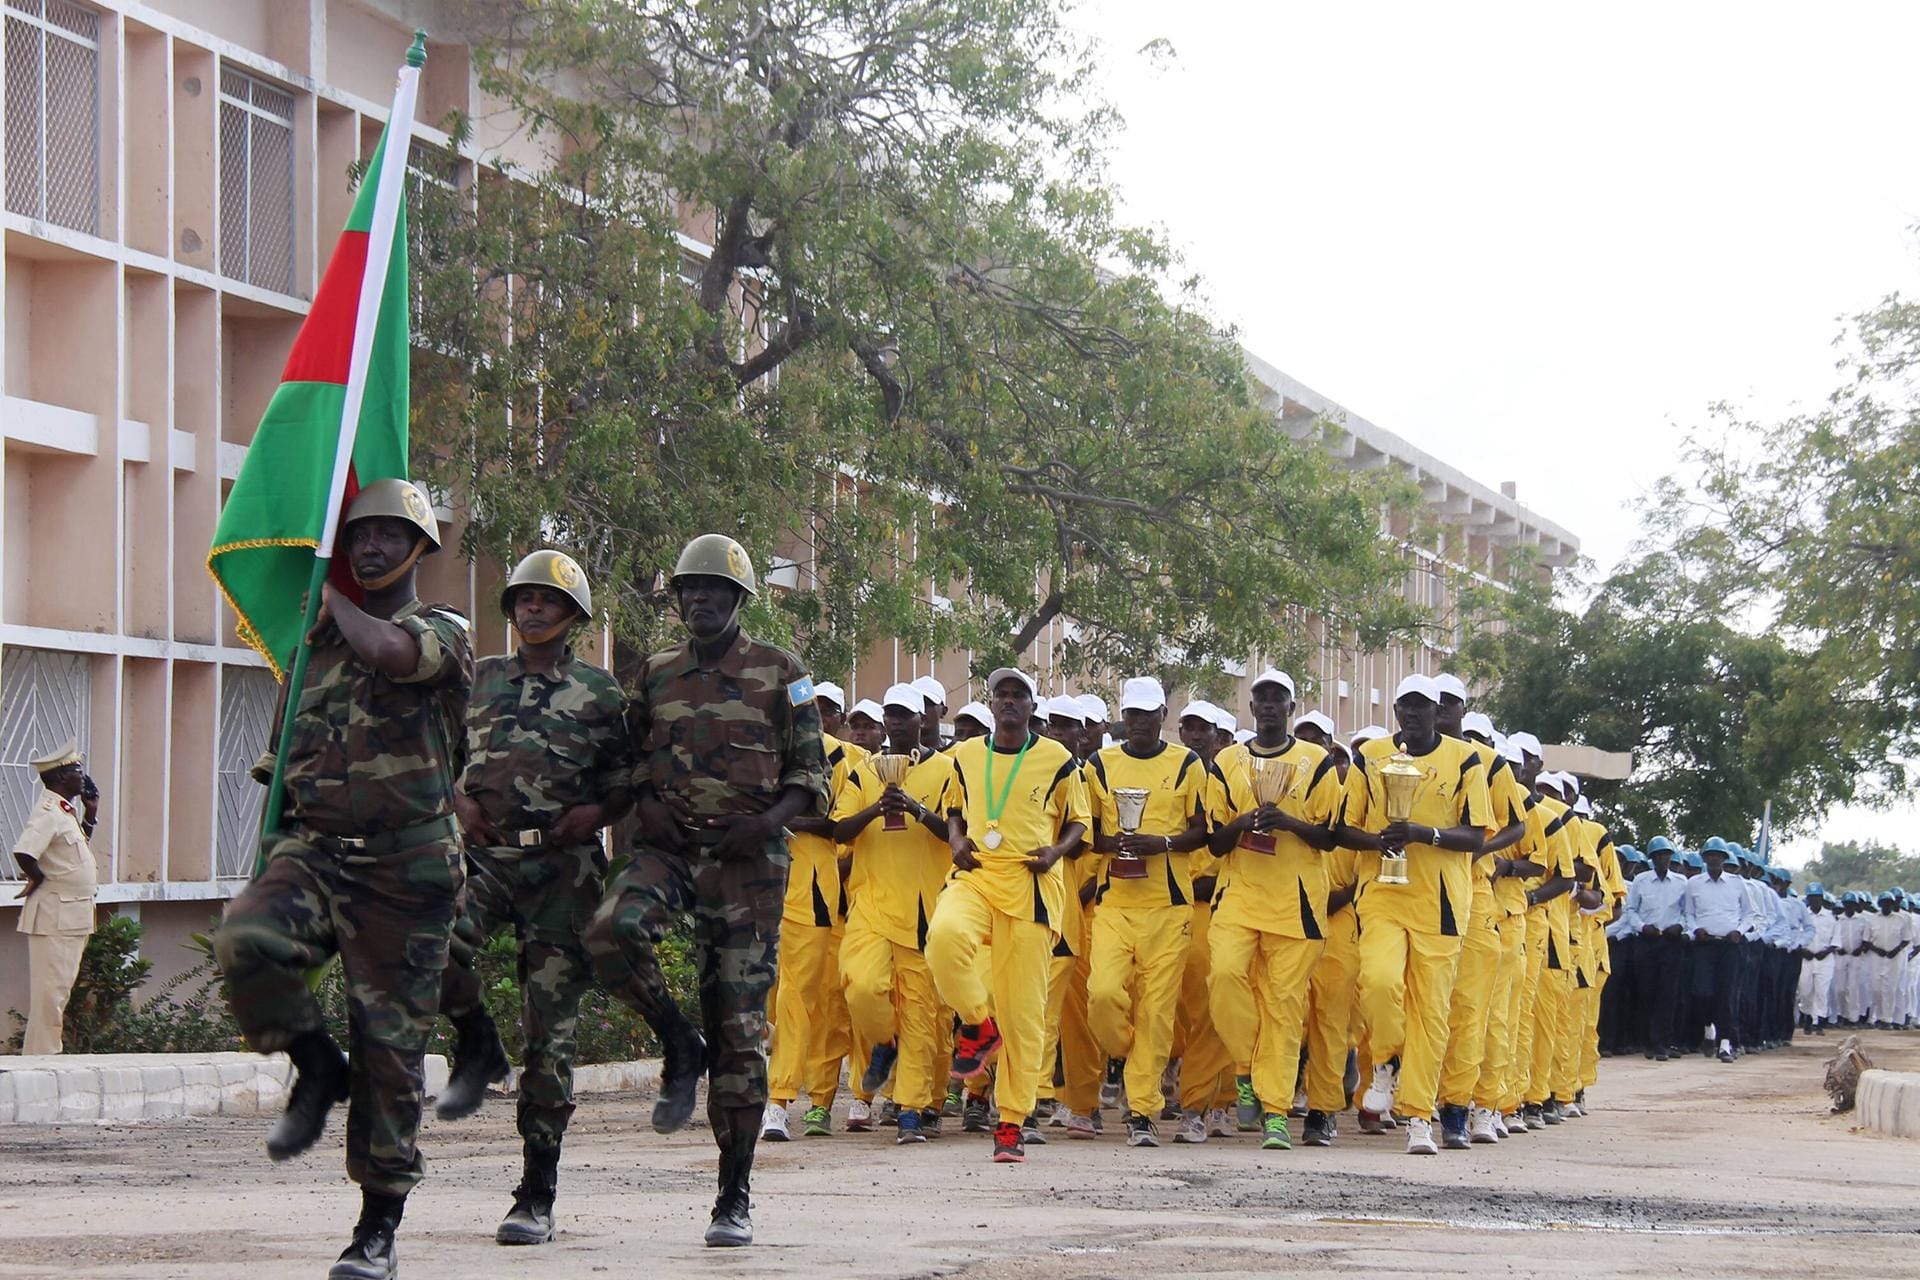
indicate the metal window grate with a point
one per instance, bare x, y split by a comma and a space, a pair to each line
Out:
53, 112
247, 698
46, 697
256, 181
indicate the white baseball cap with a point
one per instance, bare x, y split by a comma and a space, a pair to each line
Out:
1225, 719
869, 708
1012, 673
1582, 808
1318, 719
1526, 742
1417, 685
1063, 707
1273, 675
976, 712
1511, 752
1572, 783
1094, 707
831, 692
1475, 722
1142, 693
1244, 736
932, 690
1448, 683
1367, 734
1548, 778
905, 695
1199, 709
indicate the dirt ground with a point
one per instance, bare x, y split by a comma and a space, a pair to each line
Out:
1689, 1167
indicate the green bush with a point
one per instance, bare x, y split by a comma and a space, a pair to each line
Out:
111, 969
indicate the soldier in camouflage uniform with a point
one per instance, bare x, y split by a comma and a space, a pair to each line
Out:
728, 747
366, 865
549, 764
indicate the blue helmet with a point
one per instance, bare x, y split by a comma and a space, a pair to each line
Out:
1693, 859
1816, 890
1715, 844
1660, 844
1781, 874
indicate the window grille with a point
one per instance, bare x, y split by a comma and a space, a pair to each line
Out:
53, 113
256, 181
247, 699
46, 697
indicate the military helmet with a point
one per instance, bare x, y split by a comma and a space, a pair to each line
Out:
553, 569
718, 556
401, 499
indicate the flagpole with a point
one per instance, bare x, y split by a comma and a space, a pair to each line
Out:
373, 282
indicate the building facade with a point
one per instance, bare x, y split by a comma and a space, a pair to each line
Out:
175, 174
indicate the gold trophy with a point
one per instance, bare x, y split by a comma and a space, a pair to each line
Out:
1272, 782
1131, 804
1400, 777
891, 769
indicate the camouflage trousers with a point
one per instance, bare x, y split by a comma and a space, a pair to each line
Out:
547, 896
388, 918
736, 907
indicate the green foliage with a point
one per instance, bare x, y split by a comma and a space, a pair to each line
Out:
924, 359
1870, 867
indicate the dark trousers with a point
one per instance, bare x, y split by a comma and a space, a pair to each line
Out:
1717, 971
1664, 991
1619, 999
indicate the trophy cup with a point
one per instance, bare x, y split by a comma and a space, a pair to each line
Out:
891, 769
1131, 802
1272, 782
1401, 779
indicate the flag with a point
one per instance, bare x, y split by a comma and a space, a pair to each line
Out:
338, 420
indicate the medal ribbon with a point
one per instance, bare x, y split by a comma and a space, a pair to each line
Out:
996, 808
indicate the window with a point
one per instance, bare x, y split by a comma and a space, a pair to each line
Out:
247, 699
46, 697
53, 113
256, 181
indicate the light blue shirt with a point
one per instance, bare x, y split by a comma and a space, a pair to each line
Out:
1657, 902
1718, 906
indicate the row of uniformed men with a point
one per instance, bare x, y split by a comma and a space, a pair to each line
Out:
1227, 925
1863, 962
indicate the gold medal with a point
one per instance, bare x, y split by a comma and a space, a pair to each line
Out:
990, 838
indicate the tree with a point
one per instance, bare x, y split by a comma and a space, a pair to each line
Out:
924, 351
1869, 867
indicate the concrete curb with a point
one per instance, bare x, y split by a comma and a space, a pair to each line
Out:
1889, 1102
70, 1088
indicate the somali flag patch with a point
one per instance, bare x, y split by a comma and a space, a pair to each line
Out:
800, 692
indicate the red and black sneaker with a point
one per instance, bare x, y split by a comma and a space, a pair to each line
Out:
1007, 1147
975, 1048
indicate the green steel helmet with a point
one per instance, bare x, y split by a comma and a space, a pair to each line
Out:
718, 556
553, 569
401, 499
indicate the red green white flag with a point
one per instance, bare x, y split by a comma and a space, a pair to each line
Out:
338, 420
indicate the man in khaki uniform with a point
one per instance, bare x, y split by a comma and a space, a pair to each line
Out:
57, 911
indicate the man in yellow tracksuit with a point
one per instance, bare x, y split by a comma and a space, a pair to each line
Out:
1140, 932
1550, 913
808, 978
1017, 808
899, 861
1499, 1080
1206, 1068
1410, 934
1608, 892
1268, 910
1070, 1050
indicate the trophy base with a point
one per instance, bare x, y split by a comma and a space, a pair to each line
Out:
1259, 842
1393, 870
1127, 869
894, 822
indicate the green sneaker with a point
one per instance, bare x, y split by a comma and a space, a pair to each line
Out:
819, 1123
1246, 1105
1276, 1136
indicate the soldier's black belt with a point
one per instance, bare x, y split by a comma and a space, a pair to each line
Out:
387, 841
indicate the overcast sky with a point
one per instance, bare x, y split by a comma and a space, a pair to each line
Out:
1536, 240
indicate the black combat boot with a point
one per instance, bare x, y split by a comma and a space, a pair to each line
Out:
479, 1059
372, 1255
530, 1221
683, 1061
732, 1227
320, 1080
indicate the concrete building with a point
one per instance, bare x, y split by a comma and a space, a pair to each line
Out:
174, 179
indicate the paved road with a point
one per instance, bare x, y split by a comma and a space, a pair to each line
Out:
1689, 1167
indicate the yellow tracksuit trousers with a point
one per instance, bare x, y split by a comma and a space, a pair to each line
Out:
1330, 1013
834, 1040
1014, 994
890, 998
1406, 986
1059, 982
1564, 1078
1509, 981
1470, 1009
1133, 983
1263, 1021
1549, 1008
800, 1013
1589, 1069
1525, 1020
1206, 1068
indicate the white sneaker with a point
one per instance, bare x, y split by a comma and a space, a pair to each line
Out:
859, 1116
1517, 1122
1219, 1123
1572, 1111
1192, 1128
1420, 1137
1057, 1118
1480, 1127
773, 1123
1379, 1097
1500, 1126
1299, 1103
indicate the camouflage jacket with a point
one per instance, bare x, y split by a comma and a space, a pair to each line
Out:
538, 745
730, 737
370, 753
